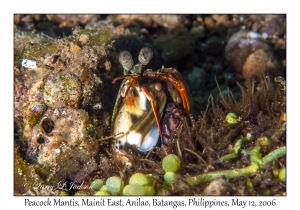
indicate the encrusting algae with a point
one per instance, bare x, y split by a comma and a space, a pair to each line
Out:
57, 132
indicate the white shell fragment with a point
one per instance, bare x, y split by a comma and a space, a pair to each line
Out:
29, 64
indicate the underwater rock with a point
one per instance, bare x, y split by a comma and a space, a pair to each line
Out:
214, 46
209, 22
23, 37
273, 25
177, 50
65, 141
64, 90
74, 48
198, 32
168, 21
23, 172
222, 20
217, 21
59, 65
196, 78
260, 61
32, 113
72, 20
61, 140
218, 187
134, 20
240, 45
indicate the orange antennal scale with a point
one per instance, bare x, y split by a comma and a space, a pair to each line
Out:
171, 75
132, 80
123, 77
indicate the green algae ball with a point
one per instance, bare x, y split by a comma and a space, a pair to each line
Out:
249, 184
171, 163
231, 118
114, 185
264, 141
134, 189
275, 173
282, 175
139, 178
97, 184
104, 188
149, 190
101, 193
150, 178
267, 192
170, 177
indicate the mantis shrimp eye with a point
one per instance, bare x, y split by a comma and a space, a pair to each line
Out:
145, 55
125, 60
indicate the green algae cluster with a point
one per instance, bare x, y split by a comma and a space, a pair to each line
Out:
34, 51
95, 38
